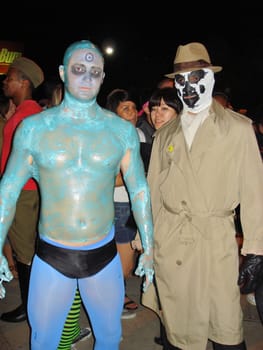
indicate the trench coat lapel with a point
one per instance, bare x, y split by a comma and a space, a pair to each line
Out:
207, 136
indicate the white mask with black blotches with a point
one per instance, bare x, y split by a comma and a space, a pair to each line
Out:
195, 89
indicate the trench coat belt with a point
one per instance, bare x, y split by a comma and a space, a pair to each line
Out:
202, 214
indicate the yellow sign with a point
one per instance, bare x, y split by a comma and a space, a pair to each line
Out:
9, 50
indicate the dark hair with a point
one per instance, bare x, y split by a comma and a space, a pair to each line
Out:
221, 94
170, 97
116, 96
165, 82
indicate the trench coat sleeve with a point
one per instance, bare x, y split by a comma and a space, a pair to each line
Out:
153, 172
158, 163
251, 196
150, 298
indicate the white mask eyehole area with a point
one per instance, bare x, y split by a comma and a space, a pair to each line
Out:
195, 87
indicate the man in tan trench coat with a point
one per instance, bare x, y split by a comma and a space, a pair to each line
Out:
203, 164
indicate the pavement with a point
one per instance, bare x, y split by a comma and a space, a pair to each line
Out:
138, 333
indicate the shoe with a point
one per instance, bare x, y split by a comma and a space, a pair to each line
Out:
73, 347
158, 340
17, 315
251, 299
127, 314
129, 304
84, 334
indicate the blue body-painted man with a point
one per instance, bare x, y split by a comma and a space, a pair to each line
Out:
74, 151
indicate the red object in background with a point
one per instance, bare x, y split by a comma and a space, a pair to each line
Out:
9, 50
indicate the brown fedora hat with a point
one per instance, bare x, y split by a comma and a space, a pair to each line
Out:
192, 56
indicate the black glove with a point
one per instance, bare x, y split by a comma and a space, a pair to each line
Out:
251, 273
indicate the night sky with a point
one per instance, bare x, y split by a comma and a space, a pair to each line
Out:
146, 41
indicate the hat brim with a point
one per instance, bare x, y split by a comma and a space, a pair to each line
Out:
215, 69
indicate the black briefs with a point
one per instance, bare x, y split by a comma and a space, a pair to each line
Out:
76, 263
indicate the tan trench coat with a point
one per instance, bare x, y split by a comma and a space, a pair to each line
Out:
194, 194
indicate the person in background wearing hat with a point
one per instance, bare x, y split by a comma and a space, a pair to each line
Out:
203, 164
22, 78
69, 149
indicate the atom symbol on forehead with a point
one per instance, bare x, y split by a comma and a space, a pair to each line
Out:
89, 57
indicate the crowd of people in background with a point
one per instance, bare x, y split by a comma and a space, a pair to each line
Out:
25, 92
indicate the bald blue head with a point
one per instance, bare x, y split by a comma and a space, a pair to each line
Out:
82, 44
